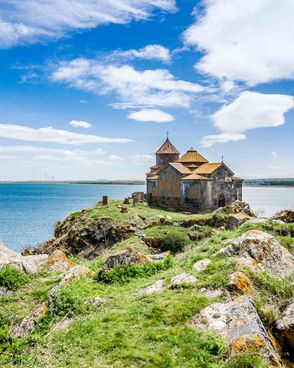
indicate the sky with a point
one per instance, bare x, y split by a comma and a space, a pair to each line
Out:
89, 89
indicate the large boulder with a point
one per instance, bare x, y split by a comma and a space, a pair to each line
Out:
238, 322
236, 207
125, 257
87, 237
58, 261
285, 216
285, 328
236, 220
28, 264
201, 265
259, 249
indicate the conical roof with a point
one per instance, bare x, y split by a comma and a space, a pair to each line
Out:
192, 156
167, 148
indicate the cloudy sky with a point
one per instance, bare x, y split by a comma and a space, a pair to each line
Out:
89, 88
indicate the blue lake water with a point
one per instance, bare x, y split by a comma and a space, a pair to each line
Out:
28, 212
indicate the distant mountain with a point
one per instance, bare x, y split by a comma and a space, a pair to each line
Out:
270, 181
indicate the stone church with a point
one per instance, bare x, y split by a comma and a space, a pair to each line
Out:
190, 182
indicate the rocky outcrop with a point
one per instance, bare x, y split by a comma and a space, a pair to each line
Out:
181, 280
29, 323
239, 283
157, 287
286, 216
28, 264
285, 329
58, 262
259, 249
238, 322
236, 207
236, 220
87, 237
125, 257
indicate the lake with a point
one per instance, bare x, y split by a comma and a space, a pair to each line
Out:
28, 212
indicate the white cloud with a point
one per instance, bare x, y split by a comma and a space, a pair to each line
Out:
141, 159
251, 110
80, 124
50, 134
153, 115
149, 52
29, 20
249, 41
274, 154
133, 88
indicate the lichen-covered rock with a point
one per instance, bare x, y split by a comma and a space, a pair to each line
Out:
201, 265
125, 257
236, 220
238, 322
75, 273
157, 287
236, 207
29, 323
182, 279
58, 261
29, 264
86, 237
286, 216
240, 284
259, 249
285, 328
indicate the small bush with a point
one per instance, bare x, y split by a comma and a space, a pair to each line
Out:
12, 278
125, 274
67, 301
174, 241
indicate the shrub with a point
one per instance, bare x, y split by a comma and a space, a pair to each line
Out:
125, 274
67, 301
12, 278
174, 241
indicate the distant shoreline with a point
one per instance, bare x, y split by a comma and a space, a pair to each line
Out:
289, 183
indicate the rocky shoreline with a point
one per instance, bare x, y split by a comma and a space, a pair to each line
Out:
225, 276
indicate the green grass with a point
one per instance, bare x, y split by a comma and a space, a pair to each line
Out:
12, 278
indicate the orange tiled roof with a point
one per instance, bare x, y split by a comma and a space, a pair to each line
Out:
167, 148
208, 168
194, 176
192, 156
180, 167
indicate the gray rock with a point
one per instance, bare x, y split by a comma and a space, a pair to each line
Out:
258, 249
285, 327
211, 293
29, 264
29, 323
157, 287
182, 279
236, 220
4, 292
238, 322
96, 302
286, 216
125, 257
201, 265
159, 256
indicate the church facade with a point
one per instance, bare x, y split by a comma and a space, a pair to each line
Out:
190, 182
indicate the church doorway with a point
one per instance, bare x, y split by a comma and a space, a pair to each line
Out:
221, 201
